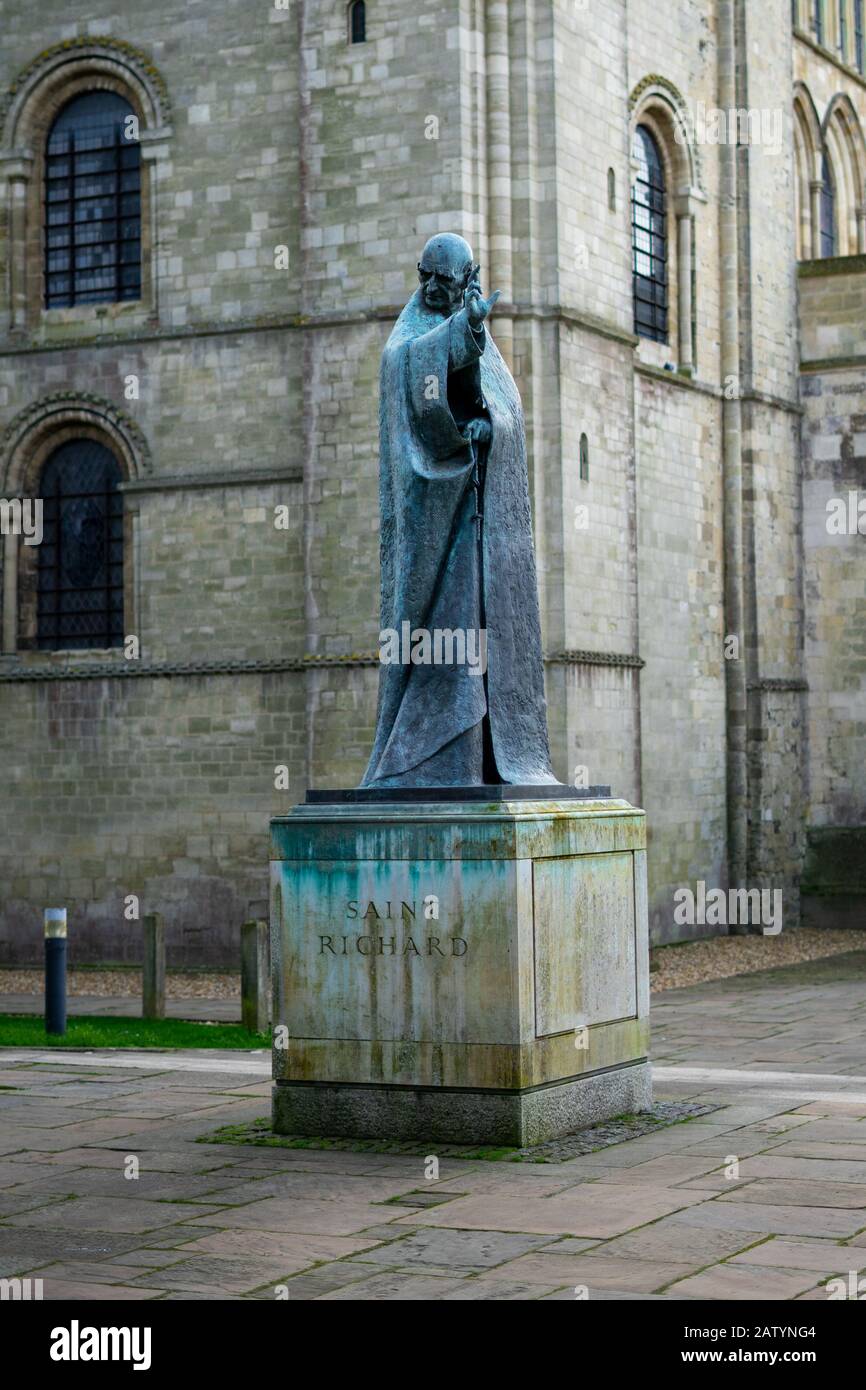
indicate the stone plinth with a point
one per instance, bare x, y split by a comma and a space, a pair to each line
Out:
470, 972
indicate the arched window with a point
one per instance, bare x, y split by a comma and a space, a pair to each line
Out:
93, 203
611, 190
584, 459
649, 239
827, 242
358, 22
80, 591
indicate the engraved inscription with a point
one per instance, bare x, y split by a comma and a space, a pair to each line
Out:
387, 911
453, 946
406, 937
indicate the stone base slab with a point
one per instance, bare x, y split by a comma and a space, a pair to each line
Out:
467, 972
455, 1116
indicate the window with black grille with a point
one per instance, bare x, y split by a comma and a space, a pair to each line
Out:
92, 203
828, 210
80, 596
649, 239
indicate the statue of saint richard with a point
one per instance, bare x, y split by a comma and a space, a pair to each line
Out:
461, 688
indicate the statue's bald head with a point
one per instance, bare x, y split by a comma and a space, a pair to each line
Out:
445, 269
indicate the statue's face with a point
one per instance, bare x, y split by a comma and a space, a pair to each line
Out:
444, 272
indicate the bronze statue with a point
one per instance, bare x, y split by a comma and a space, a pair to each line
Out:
461, 690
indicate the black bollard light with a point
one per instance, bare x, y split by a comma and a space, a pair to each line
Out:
55, 969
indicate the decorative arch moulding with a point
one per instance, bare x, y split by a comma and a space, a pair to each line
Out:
668, 94
804, 104
62, 412
75, 57
841, 112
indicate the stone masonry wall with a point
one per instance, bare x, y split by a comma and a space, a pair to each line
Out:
258, 391
834, 473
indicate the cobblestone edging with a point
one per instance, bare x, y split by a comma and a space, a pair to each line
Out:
259, 1134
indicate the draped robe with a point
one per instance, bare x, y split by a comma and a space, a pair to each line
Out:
436, 373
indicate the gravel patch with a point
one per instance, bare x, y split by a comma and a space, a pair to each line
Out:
123, 984
672, 967
719, 957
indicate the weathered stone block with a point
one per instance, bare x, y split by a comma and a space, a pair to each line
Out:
464, 972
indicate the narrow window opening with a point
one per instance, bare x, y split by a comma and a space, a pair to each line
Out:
649, 239
584, 459
358, 22
828, 210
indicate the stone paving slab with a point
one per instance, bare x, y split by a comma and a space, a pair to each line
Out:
585, 1211
403, 1287
761, 1282
227, 1273
596, 1270
840, 1152
193, 1160
794, 1193
451, 1250
764, 1219
781, 1058
336, 1217
87, 1291
14, 1203
106, 1214
823, 1255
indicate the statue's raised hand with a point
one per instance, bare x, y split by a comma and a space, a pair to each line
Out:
477, 307
478, 431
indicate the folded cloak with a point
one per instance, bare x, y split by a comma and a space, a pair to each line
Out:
430, 570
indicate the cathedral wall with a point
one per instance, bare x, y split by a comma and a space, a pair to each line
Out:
158, 781
682, 687
283, 138
158, 787
834, 491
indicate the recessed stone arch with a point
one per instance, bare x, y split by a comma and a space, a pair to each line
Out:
27, 111
808, 151
843, 139
104, 61
25, 447
47, 422
657, 99
657, 104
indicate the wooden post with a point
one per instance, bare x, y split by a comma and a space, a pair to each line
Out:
254, 976
153, 967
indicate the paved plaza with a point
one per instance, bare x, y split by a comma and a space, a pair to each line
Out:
762, 1198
